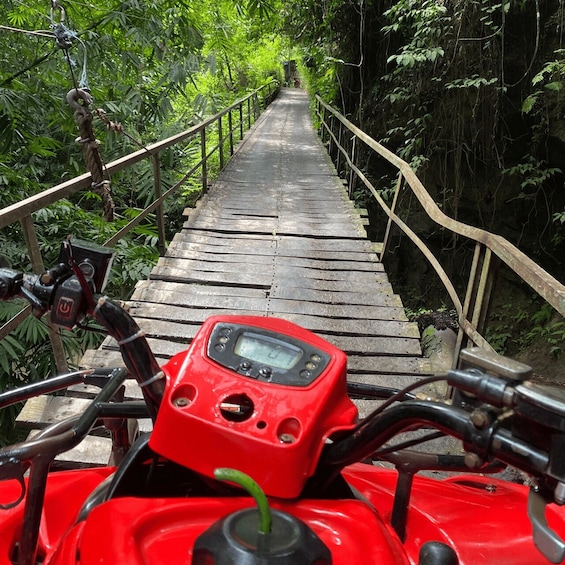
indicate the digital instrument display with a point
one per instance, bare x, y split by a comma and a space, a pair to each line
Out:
267, 355
267, 350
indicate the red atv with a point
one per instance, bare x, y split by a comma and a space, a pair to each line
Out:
257, 455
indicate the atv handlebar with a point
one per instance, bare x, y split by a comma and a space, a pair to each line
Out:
70, 291
495, 410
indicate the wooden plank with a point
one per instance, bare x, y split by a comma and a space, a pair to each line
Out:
337, 286
178, 294
276, 228
344, 311
357, 365
132, 390
196, 289
340, 264
167, 330
176, 297
41, 411
388, 365
103, 357
382, 295
233, 279
197, 295
234, 274
294, 223
189, 315
282, 241
186, 250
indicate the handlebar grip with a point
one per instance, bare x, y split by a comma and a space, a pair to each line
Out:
10, 283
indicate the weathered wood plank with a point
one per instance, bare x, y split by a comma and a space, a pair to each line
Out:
358, 365
166, 330
186, 249
190, 267
41, 411
382, 296
94, 451
282, 242
388, 365
310, 290
342, 264
234, 274
388, 310
189, 315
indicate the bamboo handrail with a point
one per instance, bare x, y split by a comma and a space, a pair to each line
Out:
22, 211
15, 212
544, 284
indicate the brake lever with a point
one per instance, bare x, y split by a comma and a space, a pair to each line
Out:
545, 539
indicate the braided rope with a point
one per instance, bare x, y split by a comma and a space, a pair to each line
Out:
89, 144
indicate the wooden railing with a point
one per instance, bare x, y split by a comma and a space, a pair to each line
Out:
228, 127
343, 139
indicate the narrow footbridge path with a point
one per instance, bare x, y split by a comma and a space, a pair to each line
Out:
277, 236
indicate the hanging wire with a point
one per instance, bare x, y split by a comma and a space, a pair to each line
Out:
40, 33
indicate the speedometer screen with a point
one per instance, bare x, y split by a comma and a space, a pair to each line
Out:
266, 350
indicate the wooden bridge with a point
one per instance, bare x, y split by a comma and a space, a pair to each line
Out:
277, 235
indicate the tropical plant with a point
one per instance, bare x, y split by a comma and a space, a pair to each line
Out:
153, 67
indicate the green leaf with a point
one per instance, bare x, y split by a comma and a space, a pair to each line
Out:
529, 103
555, 85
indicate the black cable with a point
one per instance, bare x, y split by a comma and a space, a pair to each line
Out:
407, 444
398, 396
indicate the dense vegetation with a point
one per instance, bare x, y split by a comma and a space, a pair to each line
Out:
468, 91
154, 67
471, 94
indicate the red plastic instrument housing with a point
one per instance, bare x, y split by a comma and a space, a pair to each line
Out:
270, 422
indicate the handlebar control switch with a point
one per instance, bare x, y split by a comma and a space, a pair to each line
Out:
68, 304
486, 377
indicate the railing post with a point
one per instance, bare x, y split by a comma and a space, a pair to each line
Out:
331, 139
320, 119
159, 210
324, 126
399, 185
204, 161
352, 175
256, 108
478, 297
34, 251
241, 121
230, 126
221, 142
339, 145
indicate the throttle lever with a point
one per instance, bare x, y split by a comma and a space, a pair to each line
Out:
545, 539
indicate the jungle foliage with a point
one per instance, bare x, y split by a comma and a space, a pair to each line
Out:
469, 92
155, 67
